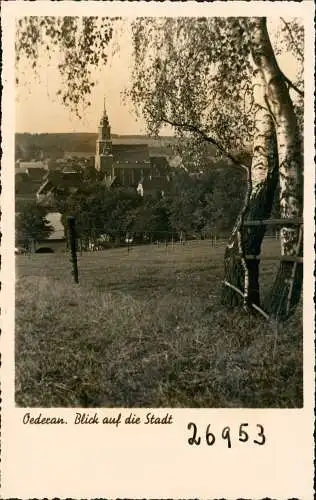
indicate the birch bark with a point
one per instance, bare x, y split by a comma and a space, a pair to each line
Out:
262, 180
286, 290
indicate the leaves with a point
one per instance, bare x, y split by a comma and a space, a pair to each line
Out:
197, 72
32, 225
193, 204
81, 44
193, 70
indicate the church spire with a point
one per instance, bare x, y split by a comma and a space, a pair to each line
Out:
104, 127
103, 157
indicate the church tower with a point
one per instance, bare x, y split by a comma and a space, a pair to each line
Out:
103, 156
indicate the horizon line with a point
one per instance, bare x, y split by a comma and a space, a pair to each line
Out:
95, 133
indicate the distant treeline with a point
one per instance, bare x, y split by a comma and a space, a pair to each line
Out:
33, 146
29, 146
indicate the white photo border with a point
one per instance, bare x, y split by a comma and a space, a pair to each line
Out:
144, 462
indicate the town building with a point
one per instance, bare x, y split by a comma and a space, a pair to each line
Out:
28, 182
31, 165
138, 162
122, 164
58, 181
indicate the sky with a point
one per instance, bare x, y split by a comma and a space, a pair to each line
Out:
52, 116
38, 110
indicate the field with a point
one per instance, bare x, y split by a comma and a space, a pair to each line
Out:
145, 328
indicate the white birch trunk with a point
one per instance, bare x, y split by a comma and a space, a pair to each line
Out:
262, 136
264, 172
286, 289
243, 273
288, 138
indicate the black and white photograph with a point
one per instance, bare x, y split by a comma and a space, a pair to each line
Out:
157, 249
159, 212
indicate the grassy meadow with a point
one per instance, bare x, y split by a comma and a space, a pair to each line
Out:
145, 328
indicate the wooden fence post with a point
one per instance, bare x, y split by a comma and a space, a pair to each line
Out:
73, 247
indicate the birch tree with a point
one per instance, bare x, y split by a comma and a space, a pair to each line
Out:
287, 286
218, 79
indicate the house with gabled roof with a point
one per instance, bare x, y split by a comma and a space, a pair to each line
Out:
58, 181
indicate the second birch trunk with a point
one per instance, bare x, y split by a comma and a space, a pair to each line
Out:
286, 289
241, 272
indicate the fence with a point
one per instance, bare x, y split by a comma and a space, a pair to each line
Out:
171, 239
105, 238
99, 238
214, 240
296, 258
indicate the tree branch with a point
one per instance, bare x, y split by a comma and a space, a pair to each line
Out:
292, 85
298, 50
193, 128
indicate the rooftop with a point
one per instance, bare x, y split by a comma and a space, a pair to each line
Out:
132, 152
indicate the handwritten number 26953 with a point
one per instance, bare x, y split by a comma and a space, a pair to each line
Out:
210, 438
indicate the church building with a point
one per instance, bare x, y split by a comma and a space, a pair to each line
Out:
124, 164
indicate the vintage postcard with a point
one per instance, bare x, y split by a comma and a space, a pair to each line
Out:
157, 250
